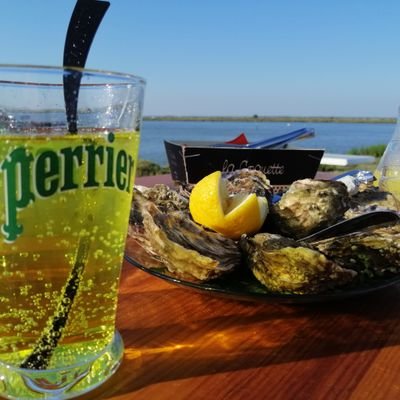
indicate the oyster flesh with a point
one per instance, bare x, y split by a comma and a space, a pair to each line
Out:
373, 252
308, 206
284, 265
186, 249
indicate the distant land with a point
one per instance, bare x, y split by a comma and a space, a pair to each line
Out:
261, 118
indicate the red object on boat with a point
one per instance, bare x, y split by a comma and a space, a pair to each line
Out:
241, 139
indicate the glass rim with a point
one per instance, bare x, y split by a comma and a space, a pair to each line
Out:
124, 77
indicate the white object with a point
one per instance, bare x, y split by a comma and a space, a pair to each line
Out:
344, 160
351, 183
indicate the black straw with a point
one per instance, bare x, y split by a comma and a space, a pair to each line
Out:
85, 20
40, 356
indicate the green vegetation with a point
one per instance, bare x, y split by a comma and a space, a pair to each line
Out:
147, 168
376, 150
283, 118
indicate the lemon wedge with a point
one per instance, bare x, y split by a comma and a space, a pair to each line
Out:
211, 206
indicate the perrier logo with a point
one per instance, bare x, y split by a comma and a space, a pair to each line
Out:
27, 178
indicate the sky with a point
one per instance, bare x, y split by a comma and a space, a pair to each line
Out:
231, 58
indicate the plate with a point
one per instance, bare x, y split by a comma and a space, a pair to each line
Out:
242, 285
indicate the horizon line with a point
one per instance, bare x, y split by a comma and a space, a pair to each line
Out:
274, 118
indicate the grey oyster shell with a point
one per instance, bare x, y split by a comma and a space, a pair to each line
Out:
186, 249
371, 199
284, 265
373, 252
165, 198
308, 206
248, 181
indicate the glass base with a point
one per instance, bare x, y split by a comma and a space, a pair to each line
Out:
61, 383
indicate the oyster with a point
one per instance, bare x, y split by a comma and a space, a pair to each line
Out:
371, 199
165, 198
136, 227
284, 265
186, 249
248, 181
162, 196
373, 252
308, 206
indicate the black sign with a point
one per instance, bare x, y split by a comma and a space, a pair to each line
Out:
190, 163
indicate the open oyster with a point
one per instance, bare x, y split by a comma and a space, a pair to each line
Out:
284, 265
187, 250
161, 223
248, 181
373, 252
165, 198
310, 205
371, 199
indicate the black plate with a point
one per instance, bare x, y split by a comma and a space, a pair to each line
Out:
242, 285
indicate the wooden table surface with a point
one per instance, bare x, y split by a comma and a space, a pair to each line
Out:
180, 344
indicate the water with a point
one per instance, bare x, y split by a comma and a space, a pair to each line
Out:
333, 137
65, 210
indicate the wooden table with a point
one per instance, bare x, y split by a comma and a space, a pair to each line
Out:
180, 344
183, 345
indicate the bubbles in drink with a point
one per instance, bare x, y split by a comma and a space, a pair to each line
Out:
36, 263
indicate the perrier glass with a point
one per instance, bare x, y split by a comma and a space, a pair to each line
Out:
65, 201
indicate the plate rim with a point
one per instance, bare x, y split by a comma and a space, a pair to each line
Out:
205, 287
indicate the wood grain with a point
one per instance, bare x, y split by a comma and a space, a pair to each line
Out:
180, 344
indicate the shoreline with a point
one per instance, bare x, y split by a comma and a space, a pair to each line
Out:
260, 118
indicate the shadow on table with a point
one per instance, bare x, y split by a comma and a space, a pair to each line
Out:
209, 335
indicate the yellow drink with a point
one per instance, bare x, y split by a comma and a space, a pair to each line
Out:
389, 180
59, 193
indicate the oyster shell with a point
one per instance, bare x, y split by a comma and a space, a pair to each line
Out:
248, 181
308, 206
187, 250
284, 265
165, 198
371, 199
373, 252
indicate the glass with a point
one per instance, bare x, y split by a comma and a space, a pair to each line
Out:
388, 174
389, 181
391, 155
65, 201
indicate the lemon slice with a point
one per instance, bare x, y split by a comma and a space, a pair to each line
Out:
208, 200
211, 206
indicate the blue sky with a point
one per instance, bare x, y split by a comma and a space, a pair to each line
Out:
237, 57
